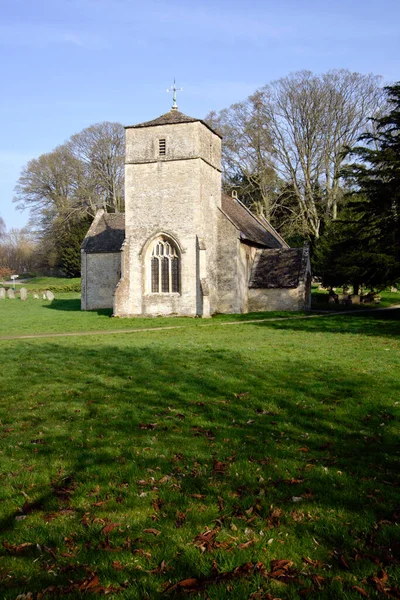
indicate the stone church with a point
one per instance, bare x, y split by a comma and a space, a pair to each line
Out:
182, 247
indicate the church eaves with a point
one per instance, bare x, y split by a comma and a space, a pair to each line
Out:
173, 117
251, 229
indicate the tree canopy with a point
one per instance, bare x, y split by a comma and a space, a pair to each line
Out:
63, 188
363, 246
283, 146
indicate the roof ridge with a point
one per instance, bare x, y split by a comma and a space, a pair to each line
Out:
172, 117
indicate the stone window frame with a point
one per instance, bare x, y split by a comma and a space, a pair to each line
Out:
163, 262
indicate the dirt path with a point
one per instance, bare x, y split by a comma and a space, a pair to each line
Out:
34, 336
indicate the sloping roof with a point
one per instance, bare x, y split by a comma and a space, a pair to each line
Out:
277, 268
173, 117
107, 234
251, 229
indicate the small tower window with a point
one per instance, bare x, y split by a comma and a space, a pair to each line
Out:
162, 147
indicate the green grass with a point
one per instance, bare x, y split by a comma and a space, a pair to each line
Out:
64, 315
201, 429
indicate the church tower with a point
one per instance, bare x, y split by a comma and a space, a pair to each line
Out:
172, 201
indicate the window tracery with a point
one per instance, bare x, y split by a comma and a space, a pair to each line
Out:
165, 267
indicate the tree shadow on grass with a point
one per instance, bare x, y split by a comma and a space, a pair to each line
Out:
74, 305
385, 323
136, 432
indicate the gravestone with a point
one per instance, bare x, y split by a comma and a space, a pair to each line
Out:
10, 294
2, 293
23, 293
36, 296
49, 295
44, 297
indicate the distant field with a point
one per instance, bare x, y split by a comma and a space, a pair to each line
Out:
254, 461
50, 283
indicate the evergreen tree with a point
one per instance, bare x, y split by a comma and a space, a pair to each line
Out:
362, 247
69, 245
375, 183
348, 253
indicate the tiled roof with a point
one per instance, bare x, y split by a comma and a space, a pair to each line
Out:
277, 268
251, 229
173, 117
107, 235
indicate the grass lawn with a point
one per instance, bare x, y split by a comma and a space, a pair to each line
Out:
64, 315
258, 460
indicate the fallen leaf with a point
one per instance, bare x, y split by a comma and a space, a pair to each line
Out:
117, 565
313, 563
379, 580
189, 585
89, 584
108, 528
218, 466
206, 541
100, 503
245, 545
360, 591
17, 548
152, 531
165, 479
160, 569
142, 552
318, 580
180, 519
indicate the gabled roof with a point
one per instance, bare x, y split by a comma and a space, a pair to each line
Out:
173, 117
281, 268
106, 234
251, 228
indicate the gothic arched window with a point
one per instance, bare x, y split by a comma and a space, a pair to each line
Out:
165, 267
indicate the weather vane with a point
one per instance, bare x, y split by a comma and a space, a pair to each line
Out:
174, 89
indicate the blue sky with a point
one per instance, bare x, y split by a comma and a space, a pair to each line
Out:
67, 64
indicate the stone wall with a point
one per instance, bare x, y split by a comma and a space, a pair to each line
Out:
227, 266
276, 299
100, 275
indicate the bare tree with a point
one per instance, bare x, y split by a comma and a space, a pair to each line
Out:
63, 188
299, 127
247, 155
53, 186
2, 228
101, 148
17, 250
313, 120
